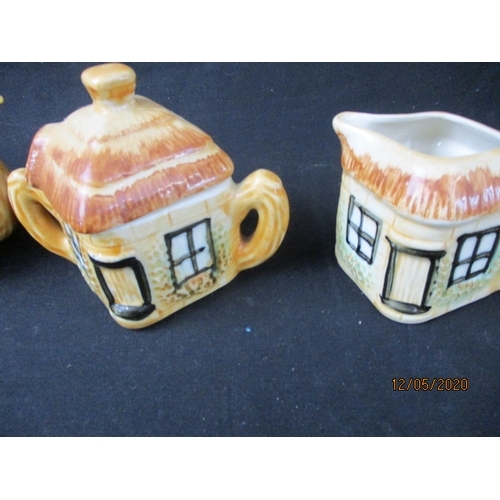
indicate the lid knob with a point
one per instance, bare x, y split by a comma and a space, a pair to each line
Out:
110, 83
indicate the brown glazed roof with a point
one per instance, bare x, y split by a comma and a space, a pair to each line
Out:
452, 196
121, 157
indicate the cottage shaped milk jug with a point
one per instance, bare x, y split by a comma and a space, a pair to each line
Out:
143, 201
418, 222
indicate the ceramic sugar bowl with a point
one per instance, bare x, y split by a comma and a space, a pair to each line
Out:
143, 201
7, 219
418, 222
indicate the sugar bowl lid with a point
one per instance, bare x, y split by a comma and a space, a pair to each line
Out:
121, 157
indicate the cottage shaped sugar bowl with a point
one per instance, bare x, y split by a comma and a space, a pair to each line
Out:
143, 201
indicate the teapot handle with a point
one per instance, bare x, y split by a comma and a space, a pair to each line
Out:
263, 192
36, 214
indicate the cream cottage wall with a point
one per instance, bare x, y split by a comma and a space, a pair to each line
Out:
150, 268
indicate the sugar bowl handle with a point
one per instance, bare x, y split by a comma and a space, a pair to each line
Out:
261, 191
35, 213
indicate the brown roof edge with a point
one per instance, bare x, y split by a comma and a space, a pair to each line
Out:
446, 198
100, 212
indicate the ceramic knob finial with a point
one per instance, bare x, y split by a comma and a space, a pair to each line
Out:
110, 83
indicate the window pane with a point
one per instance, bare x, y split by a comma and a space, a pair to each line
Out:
204, 259
460, 272
200, 236
356, 216
479, 265
352, 237
369, 226
487, 242
366, 249
467, 248
184, 270
180, 247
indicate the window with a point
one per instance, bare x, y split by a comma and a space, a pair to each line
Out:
362, 230
190, 251
473, 255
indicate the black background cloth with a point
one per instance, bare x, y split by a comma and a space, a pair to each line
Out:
289, 348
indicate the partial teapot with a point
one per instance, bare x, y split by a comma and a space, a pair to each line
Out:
418, 222
7, 219
143, 201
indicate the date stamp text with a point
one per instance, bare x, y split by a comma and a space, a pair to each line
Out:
430, 384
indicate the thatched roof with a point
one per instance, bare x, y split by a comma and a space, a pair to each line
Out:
121, 157
424, 185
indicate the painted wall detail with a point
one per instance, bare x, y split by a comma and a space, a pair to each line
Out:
191, 252
77, 250
175, 267
418, 223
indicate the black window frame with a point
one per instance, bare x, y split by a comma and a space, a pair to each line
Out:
188, 230
372, 241
461, 240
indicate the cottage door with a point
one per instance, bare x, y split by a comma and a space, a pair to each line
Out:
408, 278
126, 287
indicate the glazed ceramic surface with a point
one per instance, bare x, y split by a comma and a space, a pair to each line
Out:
7, 219
418, 221
143, 201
